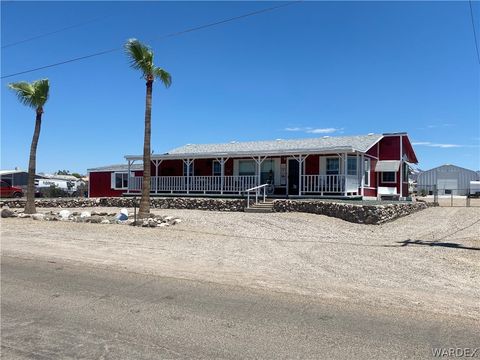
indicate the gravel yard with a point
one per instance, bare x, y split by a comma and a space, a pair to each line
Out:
394, 264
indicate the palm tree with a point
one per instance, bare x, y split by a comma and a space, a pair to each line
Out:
141, 58
33, 95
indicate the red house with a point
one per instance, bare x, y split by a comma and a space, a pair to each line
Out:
366, 166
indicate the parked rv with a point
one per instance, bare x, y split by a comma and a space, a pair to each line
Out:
69, 187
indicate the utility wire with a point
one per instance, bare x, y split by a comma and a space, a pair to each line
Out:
52, 32
200, 27
474, 31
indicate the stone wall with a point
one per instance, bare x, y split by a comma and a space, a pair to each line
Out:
357, 213
161, 203
361, 213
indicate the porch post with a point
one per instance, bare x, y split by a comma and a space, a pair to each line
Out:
362, 179
222, 174
300, 175
188, 162
259, 162
401, 167
128, 181
157, 164
345, 170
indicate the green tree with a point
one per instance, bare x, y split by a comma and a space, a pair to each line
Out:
141, 58
33, 95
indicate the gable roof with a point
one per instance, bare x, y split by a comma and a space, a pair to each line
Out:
117, 167
360, 143
326, 144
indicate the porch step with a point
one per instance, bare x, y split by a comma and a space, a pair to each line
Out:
266, 207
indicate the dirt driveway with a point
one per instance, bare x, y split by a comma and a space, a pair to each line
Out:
428, 261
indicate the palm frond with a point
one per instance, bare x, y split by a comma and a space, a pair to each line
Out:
164, 76
33, 94
141, 56
42, 91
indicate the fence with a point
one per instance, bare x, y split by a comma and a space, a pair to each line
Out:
448, 197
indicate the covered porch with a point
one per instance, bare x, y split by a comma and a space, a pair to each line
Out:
292, 175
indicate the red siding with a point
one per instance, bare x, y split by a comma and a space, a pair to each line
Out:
101, 185
312, 165
390, 148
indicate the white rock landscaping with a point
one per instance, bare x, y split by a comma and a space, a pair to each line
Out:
121, 218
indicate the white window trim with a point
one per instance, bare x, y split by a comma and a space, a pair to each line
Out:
388, 182
339, 164
356, 165
114, 180
366, 181
238, 167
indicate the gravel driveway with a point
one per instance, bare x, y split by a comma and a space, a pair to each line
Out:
395, 264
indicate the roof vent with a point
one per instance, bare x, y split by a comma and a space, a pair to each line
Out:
233, 142
326, 136
370, 134
278, 139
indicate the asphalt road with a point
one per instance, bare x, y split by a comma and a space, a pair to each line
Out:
64, 311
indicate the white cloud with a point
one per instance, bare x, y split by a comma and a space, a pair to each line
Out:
310, 130
444, 146
433, 126
322, 131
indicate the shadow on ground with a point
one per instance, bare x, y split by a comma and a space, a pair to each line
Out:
436, 243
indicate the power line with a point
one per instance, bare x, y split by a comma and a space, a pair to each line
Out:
474, 31
52, 32
195, 28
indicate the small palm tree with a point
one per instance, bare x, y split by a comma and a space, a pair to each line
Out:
141, 58
33, 95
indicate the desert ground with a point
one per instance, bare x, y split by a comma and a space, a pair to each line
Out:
427, 261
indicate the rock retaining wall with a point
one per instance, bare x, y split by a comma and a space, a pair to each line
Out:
356, 213
160, 203
360, 213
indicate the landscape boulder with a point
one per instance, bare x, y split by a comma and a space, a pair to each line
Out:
6, 213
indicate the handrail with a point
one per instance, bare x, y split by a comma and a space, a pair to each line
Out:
257, 190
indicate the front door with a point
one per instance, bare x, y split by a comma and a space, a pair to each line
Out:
292, 177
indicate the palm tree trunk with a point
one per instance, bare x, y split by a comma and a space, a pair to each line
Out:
30, 205
144, 209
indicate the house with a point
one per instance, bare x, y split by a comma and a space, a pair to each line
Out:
447, 179
333, 167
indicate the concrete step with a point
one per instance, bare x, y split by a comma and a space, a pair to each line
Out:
261, 207
258, 210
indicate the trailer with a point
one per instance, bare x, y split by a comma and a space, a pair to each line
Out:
474, 191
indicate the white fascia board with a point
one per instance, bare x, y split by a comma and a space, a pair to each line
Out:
375, 143
245, 153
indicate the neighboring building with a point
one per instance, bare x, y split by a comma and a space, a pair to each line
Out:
350, 166
447, 179
15, 177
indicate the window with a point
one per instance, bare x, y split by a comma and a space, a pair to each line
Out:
405, 172
120, 180
388, 176
216, 168
367, 172
185, 169
352, 166
333, 166
246, 167
268, 172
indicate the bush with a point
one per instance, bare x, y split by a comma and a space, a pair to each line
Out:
53, 192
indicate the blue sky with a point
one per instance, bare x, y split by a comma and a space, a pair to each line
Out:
305, 70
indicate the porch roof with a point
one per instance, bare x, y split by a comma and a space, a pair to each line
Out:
278, 147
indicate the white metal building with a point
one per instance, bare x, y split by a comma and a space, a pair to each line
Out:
448, 179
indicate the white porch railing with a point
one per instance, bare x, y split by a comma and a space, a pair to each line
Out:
327, 184
195, 184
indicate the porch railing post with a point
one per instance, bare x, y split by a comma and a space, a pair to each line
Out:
345, 170
128, 181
